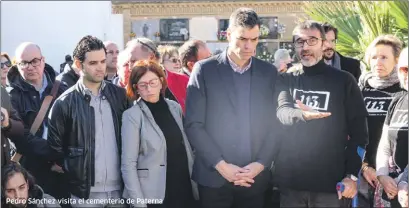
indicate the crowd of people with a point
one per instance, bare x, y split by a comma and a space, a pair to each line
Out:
161, 126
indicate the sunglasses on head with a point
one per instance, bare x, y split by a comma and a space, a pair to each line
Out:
7, 63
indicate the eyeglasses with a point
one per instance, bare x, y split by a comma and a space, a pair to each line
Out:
152, 83
35, 62
7, 64
174, 60
311, 42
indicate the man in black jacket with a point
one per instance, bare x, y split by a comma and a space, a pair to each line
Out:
335, 59
31, 80
85, 124
69, 77
322, 106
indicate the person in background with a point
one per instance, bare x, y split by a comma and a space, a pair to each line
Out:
379, 86
31, 80
19, 190
68, 61
84, 128
171, 167
230, 119
392, 154
11, 126
177, 82
5, 64
335, 59
191, 52
322, 107
145, 49
112, 60
282, 60
169, 58
70, 75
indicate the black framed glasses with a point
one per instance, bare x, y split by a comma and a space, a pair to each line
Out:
5, 64
152, 83
35, 62
311, 42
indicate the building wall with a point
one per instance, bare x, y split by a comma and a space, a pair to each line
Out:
53, 26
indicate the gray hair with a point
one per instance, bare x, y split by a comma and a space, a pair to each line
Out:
146, 44
309, 25
281, 54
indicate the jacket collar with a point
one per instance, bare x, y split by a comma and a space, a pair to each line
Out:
85, 91
17, 81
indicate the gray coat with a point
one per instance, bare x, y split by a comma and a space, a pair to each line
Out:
144, 153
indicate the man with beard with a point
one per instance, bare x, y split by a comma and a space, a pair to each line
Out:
19, 190
84, 127
335, 59
321, 106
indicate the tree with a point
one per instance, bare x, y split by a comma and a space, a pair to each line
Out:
360, 22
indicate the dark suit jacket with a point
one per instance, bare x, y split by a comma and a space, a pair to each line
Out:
350, 65
212, 117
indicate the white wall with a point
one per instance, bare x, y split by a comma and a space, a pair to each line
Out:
203, 28
54, 26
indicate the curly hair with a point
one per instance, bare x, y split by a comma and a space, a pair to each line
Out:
87, 44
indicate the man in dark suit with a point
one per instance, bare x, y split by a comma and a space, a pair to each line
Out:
335, 59
230, 119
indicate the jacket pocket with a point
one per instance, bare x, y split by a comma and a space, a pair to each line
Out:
74, 164
143, 173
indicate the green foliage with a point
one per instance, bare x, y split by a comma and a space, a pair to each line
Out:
360, 22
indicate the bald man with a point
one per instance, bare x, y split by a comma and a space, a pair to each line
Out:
112, 59
31, 80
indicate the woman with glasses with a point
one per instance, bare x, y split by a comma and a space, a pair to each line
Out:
169, 58
5, 63
392, 154
157, 158
379, 86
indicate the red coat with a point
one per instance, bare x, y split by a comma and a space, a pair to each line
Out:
177, 83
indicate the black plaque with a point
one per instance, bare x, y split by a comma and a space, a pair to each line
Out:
174, 29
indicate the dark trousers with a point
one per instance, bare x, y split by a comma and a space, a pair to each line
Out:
292, 198
231, 196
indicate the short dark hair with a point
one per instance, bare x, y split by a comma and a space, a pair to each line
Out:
328, 27
138, 70
309, 25
244, 17
10, 170
188, 51
87, 44
68, 58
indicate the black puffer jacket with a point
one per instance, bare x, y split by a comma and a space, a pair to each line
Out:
72, 133
69, 77
26, 101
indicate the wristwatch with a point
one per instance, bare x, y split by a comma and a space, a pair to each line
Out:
352, 177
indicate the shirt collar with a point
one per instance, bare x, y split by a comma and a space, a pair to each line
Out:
87, 91
237, 68
45, 83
